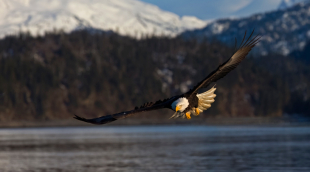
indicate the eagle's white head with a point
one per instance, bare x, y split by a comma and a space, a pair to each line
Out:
180, 104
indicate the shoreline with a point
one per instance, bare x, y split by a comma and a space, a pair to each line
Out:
216, 121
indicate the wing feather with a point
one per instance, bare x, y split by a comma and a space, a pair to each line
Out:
145, 107
230, 64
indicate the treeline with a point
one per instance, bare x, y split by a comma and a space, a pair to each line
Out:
93, 74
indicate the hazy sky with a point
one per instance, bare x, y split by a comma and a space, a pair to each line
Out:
213, 9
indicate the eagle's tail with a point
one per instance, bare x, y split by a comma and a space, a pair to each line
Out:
205, 99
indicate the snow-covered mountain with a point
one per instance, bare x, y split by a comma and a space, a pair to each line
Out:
288, 3
283, 31
126, 17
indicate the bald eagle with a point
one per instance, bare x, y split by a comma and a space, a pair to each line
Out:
191, 102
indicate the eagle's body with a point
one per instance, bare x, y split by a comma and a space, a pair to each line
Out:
191, 102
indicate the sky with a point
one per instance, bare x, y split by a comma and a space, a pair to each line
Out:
214, 9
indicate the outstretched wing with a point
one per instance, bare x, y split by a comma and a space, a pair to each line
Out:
230, 64
145, 107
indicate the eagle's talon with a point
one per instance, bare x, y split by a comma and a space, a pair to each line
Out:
197, 111
188, 115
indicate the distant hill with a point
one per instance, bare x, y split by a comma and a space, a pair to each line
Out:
283, 31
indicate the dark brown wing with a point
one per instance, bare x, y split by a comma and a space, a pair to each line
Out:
146, 107
230, 64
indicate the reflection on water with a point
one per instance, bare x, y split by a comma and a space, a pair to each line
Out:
160, 148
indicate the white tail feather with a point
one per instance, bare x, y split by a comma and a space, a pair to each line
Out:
205, 99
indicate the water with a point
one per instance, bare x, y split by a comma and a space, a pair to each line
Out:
160, 148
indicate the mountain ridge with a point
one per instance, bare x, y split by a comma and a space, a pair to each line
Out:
282, 31
126, 17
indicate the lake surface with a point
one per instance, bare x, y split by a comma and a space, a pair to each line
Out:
155, 148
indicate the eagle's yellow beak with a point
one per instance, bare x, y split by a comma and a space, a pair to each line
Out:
177, 108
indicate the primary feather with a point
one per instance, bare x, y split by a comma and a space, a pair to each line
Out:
230, 64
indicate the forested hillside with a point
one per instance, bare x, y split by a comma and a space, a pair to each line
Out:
94, 74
